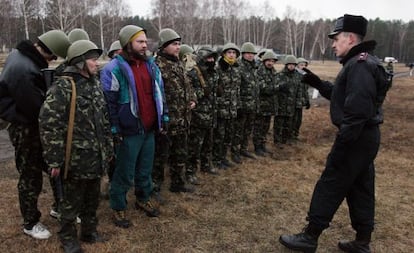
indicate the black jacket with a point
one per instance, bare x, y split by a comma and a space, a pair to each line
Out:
22, 86
354, 97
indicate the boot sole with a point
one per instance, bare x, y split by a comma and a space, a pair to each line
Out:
309, 250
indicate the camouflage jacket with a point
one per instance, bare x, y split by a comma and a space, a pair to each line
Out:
178, 92
249, 89
228, 90
268, 91
288, 101
92, 145
203, 115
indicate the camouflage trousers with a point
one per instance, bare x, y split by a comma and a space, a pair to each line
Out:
223, 135
282, 129
81, 199
173, 151
261, 128
243, 128
30, 165
200, 147
296, 122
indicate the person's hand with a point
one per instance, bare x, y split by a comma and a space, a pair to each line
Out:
164, 127
54, 172
117, 138
311, 79
192, 105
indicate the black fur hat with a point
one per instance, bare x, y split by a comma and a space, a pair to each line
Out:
350, 23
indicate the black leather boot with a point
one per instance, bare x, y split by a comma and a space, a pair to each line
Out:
354, 246
71, 246
307, 241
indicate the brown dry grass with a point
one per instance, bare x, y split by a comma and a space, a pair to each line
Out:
246, 209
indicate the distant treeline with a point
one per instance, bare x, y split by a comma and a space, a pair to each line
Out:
199, 22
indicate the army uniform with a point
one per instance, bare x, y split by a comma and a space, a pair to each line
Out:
91, 147
22, 92
266, 106
282, 126
178, 94
247, 107
204, 80
227, 101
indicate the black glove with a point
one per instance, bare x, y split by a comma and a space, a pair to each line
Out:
307, 105
283, 87
311, 79
220, 91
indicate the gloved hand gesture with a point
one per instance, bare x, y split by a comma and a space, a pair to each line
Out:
311, 79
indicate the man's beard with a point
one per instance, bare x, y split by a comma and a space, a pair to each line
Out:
138, 56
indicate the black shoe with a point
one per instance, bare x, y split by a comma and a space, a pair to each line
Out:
260, 152
192, 180
247, 154
236, 158
354, 246
267, 151
210, 170
182, 188
92, 238
71, 246
120, 220
148, 207
156, 195
227, 163
300, 242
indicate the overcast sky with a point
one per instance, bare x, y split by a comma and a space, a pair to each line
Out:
314, 9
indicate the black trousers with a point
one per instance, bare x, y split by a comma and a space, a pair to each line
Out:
349, 174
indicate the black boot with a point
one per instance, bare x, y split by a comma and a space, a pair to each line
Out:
306, 241
359, 245
71, 246
93, 237
354, 246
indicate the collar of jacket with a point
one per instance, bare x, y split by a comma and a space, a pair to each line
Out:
365, 46
75, 73
27, 48
224, 65
167, 56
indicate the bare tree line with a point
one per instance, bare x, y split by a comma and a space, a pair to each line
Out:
199, 22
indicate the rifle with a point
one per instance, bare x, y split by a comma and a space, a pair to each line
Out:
48, 75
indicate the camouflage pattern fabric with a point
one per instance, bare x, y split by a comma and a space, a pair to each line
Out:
302, 102
92, 148
178, 94
249, 95
203, 117
30, 164
267, 105
287, 102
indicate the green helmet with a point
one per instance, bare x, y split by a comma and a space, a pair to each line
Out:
77, 34
56, 41
184, 50
291, 59
206, 51
262, 52
166, 35
126, 33
78, 50
230, 46
302, 60
116, 45
269, 55
248, 47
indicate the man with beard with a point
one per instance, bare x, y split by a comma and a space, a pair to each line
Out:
134, 91
204, 79
356, 101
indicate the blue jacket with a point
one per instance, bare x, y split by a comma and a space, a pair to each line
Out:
120, 91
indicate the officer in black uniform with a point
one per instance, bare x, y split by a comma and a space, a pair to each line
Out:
355, 109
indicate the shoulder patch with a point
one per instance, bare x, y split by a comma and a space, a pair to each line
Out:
363, 56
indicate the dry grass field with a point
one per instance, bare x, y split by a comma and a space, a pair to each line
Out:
245, 209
